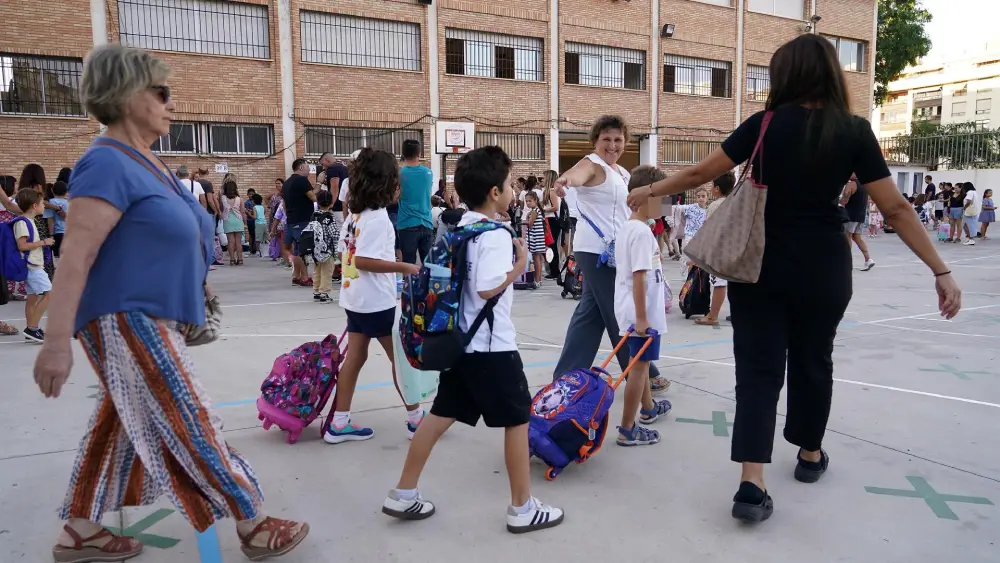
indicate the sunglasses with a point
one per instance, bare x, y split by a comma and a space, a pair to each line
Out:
162, 92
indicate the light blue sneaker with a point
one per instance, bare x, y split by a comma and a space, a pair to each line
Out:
349, 433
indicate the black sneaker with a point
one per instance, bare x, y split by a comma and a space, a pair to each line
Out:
317, 296
751, 504
34, 335
324, 298
811, 471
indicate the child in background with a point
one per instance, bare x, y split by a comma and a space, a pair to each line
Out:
874, 220
721, 188
57, 219
694, 217
988, 214
324, 226
639, 303
259, 224
536, 234
38, 284
488, 382
368, 291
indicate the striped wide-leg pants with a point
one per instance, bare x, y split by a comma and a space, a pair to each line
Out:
154, 431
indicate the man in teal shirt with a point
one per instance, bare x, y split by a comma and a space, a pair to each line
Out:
414, 226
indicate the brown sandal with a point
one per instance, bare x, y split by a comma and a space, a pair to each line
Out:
279, 538
707, 321
118, 548
8, 330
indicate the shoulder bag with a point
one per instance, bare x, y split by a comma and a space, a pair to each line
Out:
730, 245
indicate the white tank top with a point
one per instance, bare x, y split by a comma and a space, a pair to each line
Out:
605, 204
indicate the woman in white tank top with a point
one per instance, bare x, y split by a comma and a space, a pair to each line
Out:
601, 193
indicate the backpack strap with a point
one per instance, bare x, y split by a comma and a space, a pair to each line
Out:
32, 234
486, 314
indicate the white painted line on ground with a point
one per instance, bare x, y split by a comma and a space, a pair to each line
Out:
911, 329
879, 321
224, 306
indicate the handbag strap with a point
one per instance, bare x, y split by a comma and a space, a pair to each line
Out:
758, 148
593, 226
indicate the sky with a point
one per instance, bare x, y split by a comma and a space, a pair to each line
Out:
962, 25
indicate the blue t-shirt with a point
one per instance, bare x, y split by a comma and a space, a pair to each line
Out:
58, 223
415, 197
168, 234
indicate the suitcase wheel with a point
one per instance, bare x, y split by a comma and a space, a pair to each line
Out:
292, 437
267, 422
551, 474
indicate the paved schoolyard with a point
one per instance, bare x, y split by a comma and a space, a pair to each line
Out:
915, 474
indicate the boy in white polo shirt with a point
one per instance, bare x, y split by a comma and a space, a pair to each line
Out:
488, 382
639, 303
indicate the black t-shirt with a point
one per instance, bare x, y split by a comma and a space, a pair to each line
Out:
298, 206
857, 205
956, 199
803, 191
338, 171
929, 190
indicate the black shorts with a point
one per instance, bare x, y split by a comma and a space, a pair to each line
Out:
490, 385
939, 214
372, 325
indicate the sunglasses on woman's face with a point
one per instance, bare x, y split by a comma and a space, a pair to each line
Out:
162, 92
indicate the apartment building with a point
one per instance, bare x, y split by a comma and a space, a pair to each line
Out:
960, 89
259, 82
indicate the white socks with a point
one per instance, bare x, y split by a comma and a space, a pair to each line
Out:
341, 419
415, 416
526, 507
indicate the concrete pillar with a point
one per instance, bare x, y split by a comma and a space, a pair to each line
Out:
287, 82
99, 21
648, 147
738, 76
554, 85
432, 84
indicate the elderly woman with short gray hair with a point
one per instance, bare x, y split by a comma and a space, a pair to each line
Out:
153, 431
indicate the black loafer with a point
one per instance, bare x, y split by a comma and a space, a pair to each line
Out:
811, 471
751, 504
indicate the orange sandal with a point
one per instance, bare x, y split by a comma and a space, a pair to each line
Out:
279, 538
118, 548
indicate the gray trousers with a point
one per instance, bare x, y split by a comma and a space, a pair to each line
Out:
594, 315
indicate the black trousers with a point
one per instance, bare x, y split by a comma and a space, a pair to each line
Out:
789, 318
556, 229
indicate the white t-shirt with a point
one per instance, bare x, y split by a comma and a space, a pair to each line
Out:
343, 190
524, 208
197, 191
606, 205
368, 234
636, 251
571, 203
973, 210
491, 258
558, 203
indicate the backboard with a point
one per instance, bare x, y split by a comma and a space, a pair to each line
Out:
455, 137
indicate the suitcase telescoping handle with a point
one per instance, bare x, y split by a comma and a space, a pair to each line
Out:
615, 382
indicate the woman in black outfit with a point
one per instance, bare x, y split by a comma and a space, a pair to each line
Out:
810, 149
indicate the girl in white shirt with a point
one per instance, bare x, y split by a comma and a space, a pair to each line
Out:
368, 290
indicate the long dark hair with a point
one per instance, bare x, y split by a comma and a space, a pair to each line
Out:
374, 180
230, 189
806, 70
64, 174
32, 175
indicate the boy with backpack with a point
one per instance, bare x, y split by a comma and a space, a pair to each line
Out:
639, 303
37, 281
488, 379
325, 234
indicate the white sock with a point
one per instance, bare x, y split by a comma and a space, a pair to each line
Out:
341, 419
526, 507
415, 416
407, 494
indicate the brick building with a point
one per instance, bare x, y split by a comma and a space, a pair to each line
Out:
259, 82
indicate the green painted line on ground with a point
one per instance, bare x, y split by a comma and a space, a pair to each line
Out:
954, 371
136, 530
937, 502
96, 392
718, 423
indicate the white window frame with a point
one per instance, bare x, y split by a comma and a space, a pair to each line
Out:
241, 129
780, 8
195, 26
365, 134
43, 68
195, 136
958, 109
698, 70
605, 66
754, 81
344, 40
520, 141
984, 106
839, 43
480, 47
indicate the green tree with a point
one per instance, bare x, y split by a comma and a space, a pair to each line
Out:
955, 146
900, 41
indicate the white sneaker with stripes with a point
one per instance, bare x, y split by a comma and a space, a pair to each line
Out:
541, 516
414, 509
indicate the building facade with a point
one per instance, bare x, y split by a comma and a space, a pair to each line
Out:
257, 83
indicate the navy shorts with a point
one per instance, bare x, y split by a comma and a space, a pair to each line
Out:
650, 355
372, 325
293, 232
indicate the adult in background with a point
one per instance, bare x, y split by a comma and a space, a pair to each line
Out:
414, 222
855, 202
193, 186
152, 432
972, 204
812, 134
550, 206
929, 189
601, 188
233, 221
250, 219
299, 197
333, 175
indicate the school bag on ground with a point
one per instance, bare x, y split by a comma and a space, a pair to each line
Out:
569, 417
12, 260
299, 386
572, 282
431, 299
944, 231
696, 294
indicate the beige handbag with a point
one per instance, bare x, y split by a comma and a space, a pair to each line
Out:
730, 245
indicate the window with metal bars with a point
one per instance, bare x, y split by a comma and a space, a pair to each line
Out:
352, 41
599, 65
33, 85
687, 151
758, 83
342, 141
850, 52
700, 77
231, 138
183, 138
478, 53
518, 146
210, 27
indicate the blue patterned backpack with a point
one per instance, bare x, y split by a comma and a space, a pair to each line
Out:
429, 324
